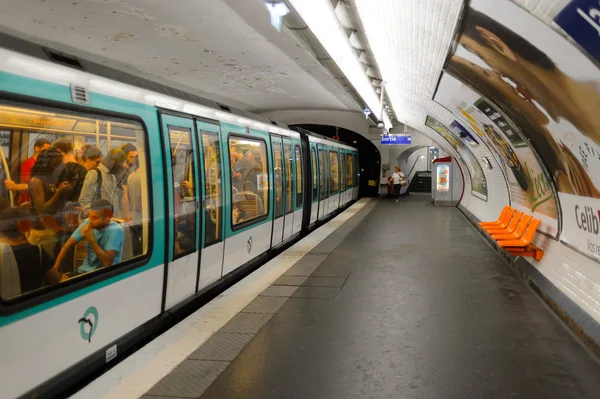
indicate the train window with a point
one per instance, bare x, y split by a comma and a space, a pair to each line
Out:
74, 198
212, 185
299, 176
342, 173
315, 187
250, 180
349, 170
323, 174
356, 171
334, 172
287, 149
278, 178
182, 168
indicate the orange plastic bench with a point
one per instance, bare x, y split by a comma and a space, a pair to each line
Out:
509, 229
523, 245
517, 233
505, 210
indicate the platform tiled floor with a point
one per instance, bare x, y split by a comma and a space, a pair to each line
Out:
405, 300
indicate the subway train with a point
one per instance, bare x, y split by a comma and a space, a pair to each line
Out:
208, 192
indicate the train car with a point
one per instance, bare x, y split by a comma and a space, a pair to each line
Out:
124, 204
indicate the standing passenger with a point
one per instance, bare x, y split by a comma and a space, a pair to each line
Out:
91, 158
47, 196
397, 179
40, 145
101, 181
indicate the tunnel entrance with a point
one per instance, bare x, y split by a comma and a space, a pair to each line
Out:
369, 156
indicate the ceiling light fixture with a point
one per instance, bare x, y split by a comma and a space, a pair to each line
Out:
320, 18
278, 10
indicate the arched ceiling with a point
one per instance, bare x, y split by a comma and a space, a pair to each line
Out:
225, 50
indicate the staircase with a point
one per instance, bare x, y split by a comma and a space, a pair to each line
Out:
421, 182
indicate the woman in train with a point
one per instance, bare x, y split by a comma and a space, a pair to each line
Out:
47, 196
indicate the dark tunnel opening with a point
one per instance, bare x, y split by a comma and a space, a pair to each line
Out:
369, 156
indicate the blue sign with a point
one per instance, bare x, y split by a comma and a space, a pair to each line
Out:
463, 133
396, 139
581, 20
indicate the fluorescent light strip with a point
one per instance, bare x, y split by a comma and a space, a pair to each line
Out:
320, 18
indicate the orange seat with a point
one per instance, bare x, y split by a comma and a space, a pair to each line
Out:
509, 229
505, 210
530, 250
517, 233
525, 240
503, 223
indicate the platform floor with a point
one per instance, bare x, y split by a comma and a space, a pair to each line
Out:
405, 300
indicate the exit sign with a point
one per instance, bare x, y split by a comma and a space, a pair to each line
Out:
396, 139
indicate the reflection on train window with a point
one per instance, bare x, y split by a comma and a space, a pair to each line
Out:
342, 173
315, 187
289, 199
184, 193
323, 174
212, 186
61, 189
349, 170
250, 179
277, 156
299, 176
334, 172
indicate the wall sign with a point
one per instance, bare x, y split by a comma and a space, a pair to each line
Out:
581, 20
396, 139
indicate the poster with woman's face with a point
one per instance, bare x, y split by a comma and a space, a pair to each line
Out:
478, 181
547, 89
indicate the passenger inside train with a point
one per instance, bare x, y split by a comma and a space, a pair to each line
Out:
74, 198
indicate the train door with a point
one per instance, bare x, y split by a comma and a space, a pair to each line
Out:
183, 190
288, 207
342, 173
334, 180
212, 243
279, 191
323, 181
298, 185
248, 222
314, 209
356, 175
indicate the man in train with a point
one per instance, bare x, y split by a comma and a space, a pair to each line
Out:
104, 239
246, 170
122, 175
25, 172
101, 181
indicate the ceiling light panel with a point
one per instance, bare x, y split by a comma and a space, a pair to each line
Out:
320, 18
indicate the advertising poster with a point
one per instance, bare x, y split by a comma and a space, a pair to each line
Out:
460, 131
529, 188
478, 181
443, 177
548, 89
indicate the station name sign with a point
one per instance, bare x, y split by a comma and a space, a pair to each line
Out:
397, 139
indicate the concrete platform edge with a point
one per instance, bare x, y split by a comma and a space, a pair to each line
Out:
578, 320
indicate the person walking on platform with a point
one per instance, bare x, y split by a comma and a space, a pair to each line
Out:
396, 179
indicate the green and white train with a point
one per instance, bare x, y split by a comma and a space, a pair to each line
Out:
216, 192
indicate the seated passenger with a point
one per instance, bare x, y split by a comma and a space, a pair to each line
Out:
34, 264
104, 239
101, 181
238, 215
46, 197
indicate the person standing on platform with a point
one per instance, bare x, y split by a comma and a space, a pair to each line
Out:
396, 180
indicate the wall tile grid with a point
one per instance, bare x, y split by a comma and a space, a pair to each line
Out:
416, 37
